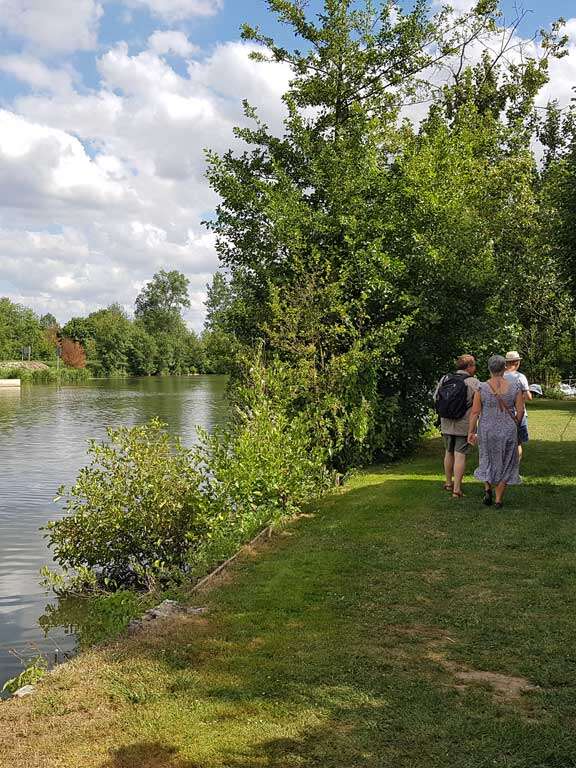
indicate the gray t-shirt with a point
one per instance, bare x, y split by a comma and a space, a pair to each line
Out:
459, 427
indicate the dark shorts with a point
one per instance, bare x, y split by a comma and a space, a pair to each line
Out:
456, 443
523, 433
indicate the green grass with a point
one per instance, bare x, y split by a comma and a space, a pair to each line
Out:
353, 640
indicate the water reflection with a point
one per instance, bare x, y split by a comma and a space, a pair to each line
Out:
43, 436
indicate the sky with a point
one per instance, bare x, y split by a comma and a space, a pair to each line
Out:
106, 108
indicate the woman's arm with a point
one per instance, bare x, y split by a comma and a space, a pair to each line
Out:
473, 419
520, 407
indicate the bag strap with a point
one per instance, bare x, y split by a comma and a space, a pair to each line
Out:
502, 404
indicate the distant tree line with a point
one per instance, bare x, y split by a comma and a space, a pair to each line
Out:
156, 341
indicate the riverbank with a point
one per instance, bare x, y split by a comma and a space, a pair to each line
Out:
40, 373
391, 627
44, 434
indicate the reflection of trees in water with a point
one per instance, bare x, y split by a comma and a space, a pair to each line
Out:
10, 404
92, 619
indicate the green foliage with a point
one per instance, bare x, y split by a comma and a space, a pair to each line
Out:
110, 330
554, 393
264, 468
365, 253
21, 327
160, 304
51, 375
35, 670
147, 511
156, 342
48, 321
136, 512
142, 351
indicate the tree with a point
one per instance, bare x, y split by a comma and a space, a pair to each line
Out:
160, 304
20, 327
362, 251
78, 329
142, 351
48, 321
73, 353
110, 330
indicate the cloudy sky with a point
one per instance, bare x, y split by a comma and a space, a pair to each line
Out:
106, 107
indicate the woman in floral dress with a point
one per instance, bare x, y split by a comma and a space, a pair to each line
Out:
497, 410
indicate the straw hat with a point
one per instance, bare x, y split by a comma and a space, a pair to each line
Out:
512, 357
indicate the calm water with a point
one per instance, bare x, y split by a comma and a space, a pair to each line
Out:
43, 436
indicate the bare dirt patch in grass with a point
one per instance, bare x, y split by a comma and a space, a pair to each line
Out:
508, 688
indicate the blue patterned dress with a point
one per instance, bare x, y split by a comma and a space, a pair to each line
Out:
498, 438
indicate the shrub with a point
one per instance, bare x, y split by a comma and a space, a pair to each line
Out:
260, 471
136, 512
148, 511
34, 671
48, 375
73, 353
554, 393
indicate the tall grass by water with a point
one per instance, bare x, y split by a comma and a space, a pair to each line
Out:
50, 375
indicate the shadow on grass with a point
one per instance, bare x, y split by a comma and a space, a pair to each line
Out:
148, 755
349, 739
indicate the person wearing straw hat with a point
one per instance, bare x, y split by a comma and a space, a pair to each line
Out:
513, 361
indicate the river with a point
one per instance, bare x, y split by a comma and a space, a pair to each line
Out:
43, 437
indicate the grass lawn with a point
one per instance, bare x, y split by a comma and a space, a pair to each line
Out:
392, 627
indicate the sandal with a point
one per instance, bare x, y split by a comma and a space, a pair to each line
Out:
499, 505
457, 495
448, 487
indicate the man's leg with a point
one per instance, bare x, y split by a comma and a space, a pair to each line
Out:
449, 467
459, 469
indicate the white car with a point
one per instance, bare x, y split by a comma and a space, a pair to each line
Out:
567, 389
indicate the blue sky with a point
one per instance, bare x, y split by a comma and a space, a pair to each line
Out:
106, 107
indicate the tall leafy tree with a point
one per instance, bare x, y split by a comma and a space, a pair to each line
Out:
20, 327
360, 250
160, 304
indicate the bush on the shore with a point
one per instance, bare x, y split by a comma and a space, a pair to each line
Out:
49, 375
136, 511
147, 511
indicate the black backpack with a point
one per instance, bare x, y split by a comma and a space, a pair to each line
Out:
452, 396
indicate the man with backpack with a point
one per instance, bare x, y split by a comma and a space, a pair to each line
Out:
453, 399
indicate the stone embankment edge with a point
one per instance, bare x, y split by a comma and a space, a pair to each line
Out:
27, 690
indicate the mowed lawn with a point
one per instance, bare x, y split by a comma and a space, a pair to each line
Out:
391, 627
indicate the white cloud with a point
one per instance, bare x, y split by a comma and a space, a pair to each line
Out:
176, 10
121, 171
35, 73
53, 25
171, 41
41, 167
